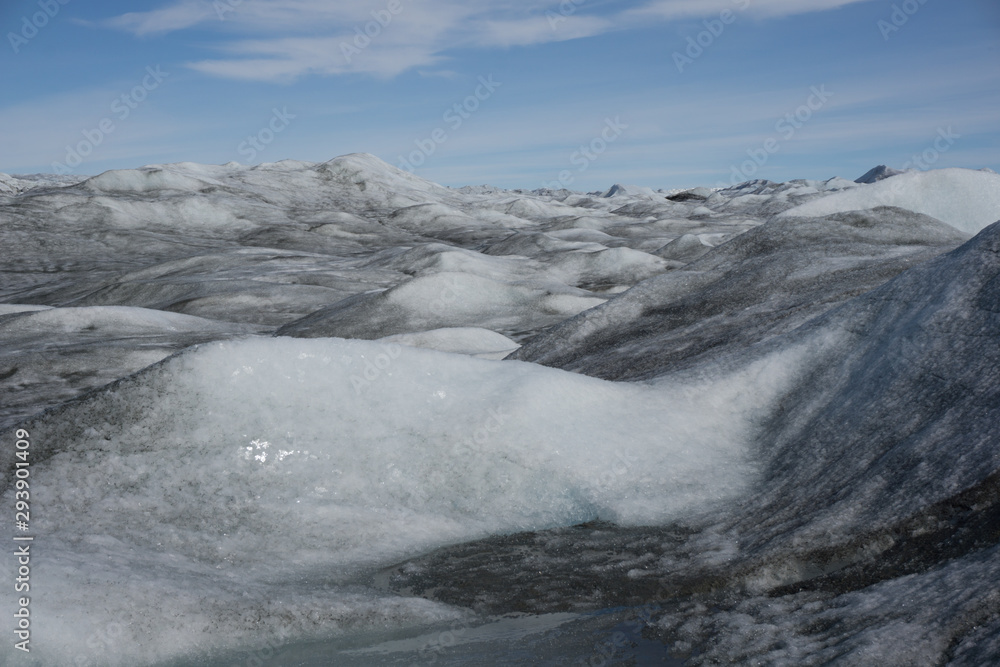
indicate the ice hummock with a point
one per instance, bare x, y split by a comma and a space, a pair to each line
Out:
242, 466
963, 198
807, 431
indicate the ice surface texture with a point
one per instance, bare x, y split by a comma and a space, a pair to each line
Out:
808, 438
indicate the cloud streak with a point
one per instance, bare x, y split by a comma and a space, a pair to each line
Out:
281, 40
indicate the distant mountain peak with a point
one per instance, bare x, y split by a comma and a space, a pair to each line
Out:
878, 173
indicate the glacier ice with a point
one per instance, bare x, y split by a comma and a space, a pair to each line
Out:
271, 420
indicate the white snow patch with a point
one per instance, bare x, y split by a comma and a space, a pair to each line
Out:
239, 487
473, 341
963, 198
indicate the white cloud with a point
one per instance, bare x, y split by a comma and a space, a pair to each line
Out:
676, 9
286, 39
177, 16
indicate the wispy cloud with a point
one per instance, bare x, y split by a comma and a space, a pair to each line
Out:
173, 17
678, 9
281, 40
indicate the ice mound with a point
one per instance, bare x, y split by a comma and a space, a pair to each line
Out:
253, 285
102, 321
533, 244
440, 258
11, 308
473, 341
533, 209
761, 283
146, 180
49, 355
966, 199
183, 211
619, 190
380, 184
243, 483
445, 299
685, 248
430, 218
607, 268
9, 185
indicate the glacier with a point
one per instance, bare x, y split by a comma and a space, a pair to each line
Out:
333, 413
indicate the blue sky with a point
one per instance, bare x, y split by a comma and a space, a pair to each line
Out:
583, 93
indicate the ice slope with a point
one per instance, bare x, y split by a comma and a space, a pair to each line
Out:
272, 244
963, 198
251, 285
874, 529
258, 479
902, 411
49, 355
780, 371
871, 535
475, 341
445, 299
766, 281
